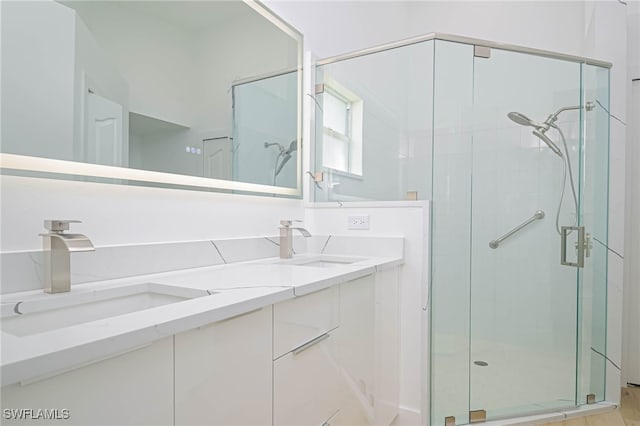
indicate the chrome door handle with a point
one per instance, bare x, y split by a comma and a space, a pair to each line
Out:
580, 246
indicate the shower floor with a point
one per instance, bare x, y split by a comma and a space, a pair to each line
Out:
515, 381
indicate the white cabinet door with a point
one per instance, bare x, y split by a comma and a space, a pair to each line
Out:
307, 384
224, 372
387, 346
135, 388
368, 347
354, 341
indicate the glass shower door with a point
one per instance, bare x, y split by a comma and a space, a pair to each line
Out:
523, 302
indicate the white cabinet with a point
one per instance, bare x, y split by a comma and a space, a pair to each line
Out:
135, 388
387, 346
299, 320
224, 372
345, 375
368, 348
355, 348
307, 384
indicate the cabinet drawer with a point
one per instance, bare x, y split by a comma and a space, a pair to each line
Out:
307, 387
302, 319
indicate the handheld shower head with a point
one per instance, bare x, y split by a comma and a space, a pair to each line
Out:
544, 138
519, 118
523, 120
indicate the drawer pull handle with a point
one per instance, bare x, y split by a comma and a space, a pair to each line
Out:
310, 343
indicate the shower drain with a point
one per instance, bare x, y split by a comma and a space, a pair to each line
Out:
481, 363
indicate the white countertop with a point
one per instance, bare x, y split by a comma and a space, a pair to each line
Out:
238, 288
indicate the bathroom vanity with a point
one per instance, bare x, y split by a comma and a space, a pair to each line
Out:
310, 340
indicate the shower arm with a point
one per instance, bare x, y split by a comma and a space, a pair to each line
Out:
554, 117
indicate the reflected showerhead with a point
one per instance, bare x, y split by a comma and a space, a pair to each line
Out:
285, 158
544, 138
280, 147
293, 147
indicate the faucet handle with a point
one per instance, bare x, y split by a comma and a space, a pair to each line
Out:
57, 225
287, 223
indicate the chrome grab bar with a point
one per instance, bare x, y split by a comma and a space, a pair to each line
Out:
496, 243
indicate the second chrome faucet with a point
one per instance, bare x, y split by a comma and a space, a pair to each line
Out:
286, 237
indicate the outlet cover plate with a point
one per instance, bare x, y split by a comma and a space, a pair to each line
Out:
358, 222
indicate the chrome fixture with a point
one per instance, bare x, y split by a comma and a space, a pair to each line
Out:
583, 246
537, 216
286, 238
57, 248
539, 131
282, 158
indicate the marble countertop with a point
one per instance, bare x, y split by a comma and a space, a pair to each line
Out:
235, 289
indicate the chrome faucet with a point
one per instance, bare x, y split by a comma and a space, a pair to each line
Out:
286, 238
57, 248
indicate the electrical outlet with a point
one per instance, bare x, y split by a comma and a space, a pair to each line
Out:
358, 222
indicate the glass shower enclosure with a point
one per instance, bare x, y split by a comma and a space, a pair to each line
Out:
511, 145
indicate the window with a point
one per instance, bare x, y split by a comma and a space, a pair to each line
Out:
342, 130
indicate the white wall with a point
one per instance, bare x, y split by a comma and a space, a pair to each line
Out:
631, 342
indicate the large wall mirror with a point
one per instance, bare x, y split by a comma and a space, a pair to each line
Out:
191, 93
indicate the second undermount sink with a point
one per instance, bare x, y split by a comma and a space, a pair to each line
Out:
51, 312
324, 261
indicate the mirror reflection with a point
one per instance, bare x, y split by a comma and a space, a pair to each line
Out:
198, 88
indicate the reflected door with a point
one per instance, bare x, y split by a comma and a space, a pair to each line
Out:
218, 158
104, 131
523, 302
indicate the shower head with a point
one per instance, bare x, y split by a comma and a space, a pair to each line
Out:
519, 118
523, 120
539, 129
544, 138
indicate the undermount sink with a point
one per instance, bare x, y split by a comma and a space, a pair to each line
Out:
54, 311
324, 261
